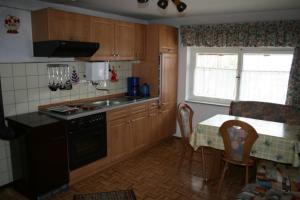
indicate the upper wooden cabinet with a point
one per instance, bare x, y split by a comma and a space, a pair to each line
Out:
116, 39
52, 24
168, 39
102, 31
140, 41
160, 39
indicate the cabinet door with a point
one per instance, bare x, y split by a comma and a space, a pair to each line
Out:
139, 130
140, 41
125, 40
79, 27
155, 126
102, 31
169, 78
168, 39
167, 116
68, 26
120, 139
58, 27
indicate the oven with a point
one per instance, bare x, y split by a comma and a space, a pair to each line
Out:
87, 139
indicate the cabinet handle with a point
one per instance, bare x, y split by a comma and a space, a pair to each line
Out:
118, 54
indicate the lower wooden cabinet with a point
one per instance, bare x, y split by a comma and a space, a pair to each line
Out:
120, 138
135, 127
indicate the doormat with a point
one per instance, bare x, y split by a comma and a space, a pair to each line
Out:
113, 195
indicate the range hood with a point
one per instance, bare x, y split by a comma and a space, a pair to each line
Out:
58, 48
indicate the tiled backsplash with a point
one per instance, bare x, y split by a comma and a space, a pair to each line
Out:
25, 85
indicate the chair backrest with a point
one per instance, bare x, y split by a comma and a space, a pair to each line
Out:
185, 117
238, 138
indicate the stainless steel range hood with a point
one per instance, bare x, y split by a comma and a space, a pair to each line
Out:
58, 48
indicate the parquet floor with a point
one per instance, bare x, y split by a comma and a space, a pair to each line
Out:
152, 175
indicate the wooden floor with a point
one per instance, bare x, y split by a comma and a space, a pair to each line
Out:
152, 175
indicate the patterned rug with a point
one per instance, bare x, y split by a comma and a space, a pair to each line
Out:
113, 195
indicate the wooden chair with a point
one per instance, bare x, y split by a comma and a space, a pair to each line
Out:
185, 121
238, 138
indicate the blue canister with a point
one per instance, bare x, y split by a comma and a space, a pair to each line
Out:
144, 90
133, 86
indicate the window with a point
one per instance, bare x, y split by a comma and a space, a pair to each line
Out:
220, 75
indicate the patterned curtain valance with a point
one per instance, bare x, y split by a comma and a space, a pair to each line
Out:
257, 34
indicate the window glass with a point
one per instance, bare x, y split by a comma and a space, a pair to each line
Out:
265, 77
220, 75
214, 75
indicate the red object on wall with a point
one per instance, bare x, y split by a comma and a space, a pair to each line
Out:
114, 75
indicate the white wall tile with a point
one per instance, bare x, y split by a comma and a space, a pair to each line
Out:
75, 97
32, 81
10, 110
43, 81
83, 89
6, 70
7, 84
21, 108
44, 101
44, 93
33, 94
81, 67
20, 82
8, 97
55, 94
65, 93
21, 96
31, 69
33, 106
19, 69
42, 68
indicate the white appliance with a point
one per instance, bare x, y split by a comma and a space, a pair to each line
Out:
97, 71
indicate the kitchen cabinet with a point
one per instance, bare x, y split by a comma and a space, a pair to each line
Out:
52, 24
120, 139
160, 71
116, 38
168, 39
138, 122
128, 130
140, 41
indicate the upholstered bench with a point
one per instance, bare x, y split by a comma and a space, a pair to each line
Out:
250, 193
266, 111
271, 175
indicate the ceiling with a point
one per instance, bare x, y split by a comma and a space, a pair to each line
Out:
150, 10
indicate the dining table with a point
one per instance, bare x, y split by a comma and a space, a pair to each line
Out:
278, 142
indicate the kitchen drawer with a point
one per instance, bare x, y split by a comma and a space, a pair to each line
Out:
138, 109
117, 114
153, 106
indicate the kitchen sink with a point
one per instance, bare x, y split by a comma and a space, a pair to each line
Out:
107, 103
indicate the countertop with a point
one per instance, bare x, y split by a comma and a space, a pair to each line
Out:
32, 120
104, 109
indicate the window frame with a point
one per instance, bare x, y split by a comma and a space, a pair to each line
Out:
191, 64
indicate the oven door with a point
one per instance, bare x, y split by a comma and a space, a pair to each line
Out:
86, 145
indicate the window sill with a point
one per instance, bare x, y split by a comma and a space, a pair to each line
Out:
207, 103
